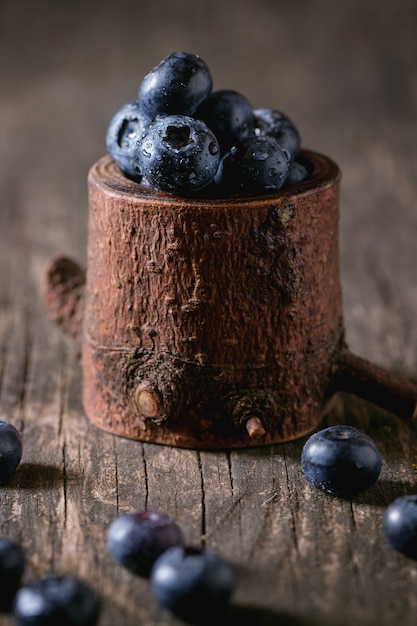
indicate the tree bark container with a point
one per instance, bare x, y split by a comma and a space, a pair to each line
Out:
202, 314
213, 323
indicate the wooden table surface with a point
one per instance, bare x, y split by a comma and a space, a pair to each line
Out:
346, 73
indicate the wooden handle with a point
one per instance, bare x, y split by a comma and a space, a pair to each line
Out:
63, 293
375, 384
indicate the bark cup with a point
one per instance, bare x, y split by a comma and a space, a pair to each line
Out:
213, 323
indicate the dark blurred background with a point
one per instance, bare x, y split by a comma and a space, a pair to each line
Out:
345, 72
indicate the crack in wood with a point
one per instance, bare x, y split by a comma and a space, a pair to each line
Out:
229, 464
145, 475
203, 500
64, 483
360, 587
291, 508
63, 391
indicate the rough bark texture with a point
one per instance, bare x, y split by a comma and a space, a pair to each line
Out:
213, 323
201, 314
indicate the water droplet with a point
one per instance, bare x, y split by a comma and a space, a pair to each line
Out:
259, 156
146, 151
213, 148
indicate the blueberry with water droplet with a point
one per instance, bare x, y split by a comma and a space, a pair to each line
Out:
229, 115
124, 131
272, 123
178, 154
177, 85
183, 159
255, 165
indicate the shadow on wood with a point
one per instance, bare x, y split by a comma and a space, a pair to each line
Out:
37, 476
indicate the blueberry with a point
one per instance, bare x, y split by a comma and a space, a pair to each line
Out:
229, 115
10, 448
136, 540
176, 86
272, 123
255, 165
296, 173
12, 565
56, 599
125, 129
341, 460
178, 154
400, 525
196, 585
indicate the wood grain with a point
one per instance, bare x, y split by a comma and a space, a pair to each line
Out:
302, 558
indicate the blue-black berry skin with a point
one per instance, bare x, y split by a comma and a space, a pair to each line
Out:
400, 525
256, 165
10, 449
341, 460
12, 566
56, 600
136, 540
196, 585
178, 154
297, 173
182, 138
123, 133
177, 85
272, 123
229, 115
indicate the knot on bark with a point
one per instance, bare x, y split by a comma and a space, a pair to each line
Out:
257, 409
162, 385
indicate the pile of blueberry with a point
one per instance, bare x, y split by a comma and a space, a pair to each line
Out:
181, 137
194, 584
